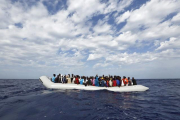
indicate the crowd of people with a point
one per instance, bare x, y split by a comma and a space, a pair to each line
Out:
102, 81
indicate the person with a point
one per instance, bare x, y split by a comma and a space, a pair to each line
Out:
96, 81
72, 76
93, 81
85, 81
89, 82
68, 78
77, 80
64, 79
53, 78
126, 81
81, 80
110, 83
61, 78
114, 82
107, 82
134, 81
57, 79
123, 80
118, 82
129, 81
99, 81
102, 82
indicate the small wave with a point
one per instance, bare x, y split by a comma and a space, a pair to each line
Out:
6, 86
4, 97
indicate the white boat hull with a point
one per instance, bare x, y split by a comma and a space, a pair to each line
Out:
49, 84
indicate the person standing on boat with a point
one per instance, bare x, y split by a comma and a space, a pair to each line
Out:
134, 81
96, 81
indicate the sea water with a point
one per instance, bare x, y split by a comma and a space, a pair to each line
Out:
30, 100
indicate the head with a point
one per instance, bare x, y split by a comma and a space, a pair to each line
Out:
128, 78
132, 78
54, 75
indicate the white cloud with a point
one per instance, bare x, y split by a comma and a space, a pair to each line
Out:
94, 56
173, 43
127, 37
102, 28
68, 40
150, 14
115, 5
176, 19
123, 17
84, 9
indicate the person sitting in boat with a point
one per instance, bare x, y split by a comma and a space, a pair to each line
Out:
96, 81
53, 78
77, 80
134, 81
102, 82
93, 81
120, 81
129, 81
107, 82
74, 78
125, 81
68, 78
110, 82
81, 80
57, 79
89, 82
114, 82
117, 81
99, 80
64, 79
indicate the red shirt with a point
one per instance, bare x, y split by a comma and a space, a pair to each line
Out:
114, 83
77, 81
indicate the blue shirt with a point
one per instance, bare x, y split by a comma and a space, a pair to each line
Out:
118, 82
96, 82
81, 81
53, 79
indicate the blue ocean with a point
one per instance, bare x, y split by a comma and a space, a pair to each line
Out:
26, 99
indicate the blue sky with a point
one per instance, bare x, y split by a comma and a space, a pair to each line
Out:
135, 38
